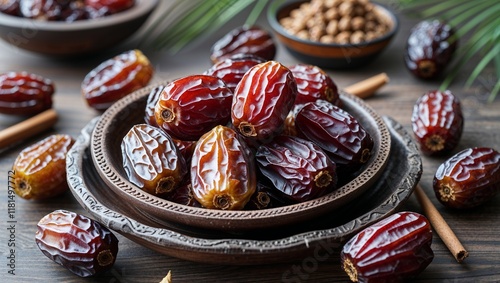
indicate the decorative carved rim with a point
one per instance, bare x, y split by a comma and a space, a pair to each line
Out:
242, 219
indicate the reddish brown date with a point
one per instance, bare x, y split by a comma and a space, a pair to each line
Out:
232, 69
262, 100
297, 168
111, 6
244, 40
395, 249
115, 78
191, 106
149, 111
23, 93
184, 195
313, 83
337, 132
430, 48
45, 10
437, 122
469, 178
10, 7
151, 160
76, 242
40, 169
222, 170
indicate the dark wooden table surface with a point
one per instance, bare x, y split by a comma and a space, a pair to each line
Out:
478, 229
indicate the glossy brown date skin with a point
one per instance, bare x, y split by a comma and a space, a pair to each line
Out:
297, 168
244, 40
430, 48
437, 122
76, 242
232, 69
469, 178
111, 6
151, 160
40, 169
23, 93
262, 101
115, 78
313, 83
222, 170
337, 132
191, 106
395, 249
183, 195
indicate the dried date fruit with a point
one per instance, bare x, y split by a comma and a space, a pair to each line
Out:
112, 6
262, 101
23, 93
313, 83
297, 168
222, 170
394, 249
151, 160
184, 195
430, 48
247, 40
115, 78
44, 10
10, 7
40, 169
232, 69
337, 132
469, 178
80, 244
149, 112
437, 122
191, 106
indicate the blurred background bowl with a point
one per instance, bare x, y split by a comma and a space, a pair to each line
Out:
75, 38
330, 55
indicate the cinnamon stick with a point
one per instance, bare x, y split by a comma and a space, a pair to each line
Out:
367, 88
28, 127
440, 226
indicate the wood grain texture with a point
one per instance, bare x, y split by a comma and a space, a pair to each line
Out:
478, 229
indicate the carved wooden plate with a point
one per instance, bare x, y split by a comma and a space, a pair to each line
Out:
115, 122
324, 234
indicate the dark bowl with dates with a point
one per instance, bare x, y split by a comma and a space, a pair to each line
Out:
81, 27
117, 120
348, 35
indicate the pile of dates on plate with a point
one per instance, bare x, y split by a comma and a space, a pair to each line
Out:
248, 133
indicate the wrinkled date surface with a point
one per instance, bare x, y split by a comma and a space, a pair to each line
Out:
222, 170
430, 48
395, 249
191, 106
297, 168
262, 101
232, 69
469, 178
115, 78
23, 93
437, 122
151, 160
40, 169
337, 132
76, 242
244, 40
313, 83
149, 111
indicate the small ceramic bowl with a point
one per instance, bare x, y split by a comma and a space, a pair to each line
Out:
76, 38
331, 56
115, 122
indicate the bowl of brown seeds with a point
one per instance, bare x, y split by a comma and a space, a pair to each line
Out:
335, 34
